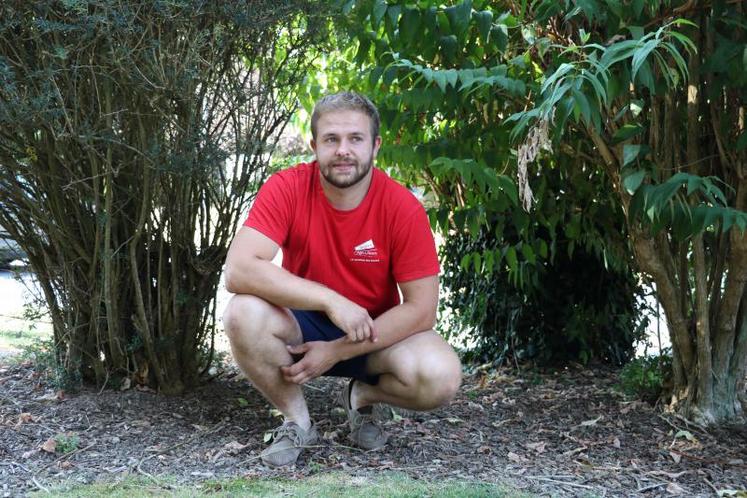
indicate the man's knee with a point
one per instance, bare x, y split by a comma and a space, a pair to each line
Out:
439, 377
431, 369
247, 316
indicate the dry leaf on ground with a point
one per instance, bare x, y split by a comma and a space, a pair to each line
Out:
50, 445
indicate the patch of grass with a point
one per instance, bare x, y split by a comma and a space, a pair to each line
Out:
17, 339
333, 484
66, 442
41, 353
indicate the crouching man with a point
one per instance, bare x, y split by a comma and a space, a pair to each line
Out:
351, 237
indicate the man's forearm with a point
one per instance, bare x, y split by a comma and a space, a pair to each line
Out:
276, 285
396, 324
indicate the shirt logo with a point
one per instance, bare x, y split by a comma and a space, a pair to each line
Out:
365, 252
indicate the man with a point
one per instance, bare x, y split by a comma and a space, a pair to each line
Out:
351, 237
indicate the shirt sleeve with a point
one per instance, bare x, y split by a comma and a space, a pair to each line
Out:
271, 212
414, 250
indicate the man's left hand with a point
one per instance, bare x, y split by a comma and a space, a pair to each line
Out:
318, 357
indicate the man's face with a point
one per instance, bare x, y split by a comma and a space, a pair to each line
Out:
344, 147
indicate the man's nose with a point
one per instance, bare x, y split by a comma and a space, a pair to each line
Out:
343, 149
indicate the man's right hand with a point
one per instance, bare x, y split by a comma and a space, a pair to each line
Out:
352, 319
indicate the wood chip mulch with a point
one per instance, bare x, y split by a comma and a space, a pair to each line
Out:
569, 433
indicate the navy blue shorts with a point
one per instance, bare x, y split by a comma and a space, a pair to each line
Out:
316, 326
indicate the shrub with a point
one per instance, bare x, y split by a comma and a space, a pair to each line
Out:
646, 377
578, 310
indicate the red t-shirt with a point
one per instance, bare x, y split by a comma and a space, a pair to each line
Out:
361, 253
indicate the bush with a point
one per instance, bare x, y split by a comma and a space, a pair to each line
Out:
578, 310
135, 135
646, 378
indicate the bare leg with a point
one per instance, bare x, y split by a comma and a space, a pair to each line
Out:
259, 332
421, 372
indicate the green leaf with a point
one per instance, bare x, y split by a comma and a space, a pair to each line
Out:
451, 77
631, 153
646, 77
561, 71
409, 25
484, 23
627, 131
528, 253
477, 259
511, 259
440, 78
543, 249
693, 183
632, 181
508, 187
374, 75
392, 13
459, 16
449, 46
379, 9
640, 55
582, 104
499, 34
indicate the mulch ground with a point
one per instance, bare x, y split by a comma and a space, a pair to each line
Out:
568, 433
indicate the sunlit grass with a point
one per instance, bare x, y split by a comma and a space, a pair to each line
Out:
334, 484
17, 335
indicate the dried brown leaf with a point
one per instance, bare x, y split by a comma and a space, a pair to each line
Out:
24, 418
676, 457
592, 422
537, 447
516, 457
234, 447
675, 489
50, 445
330, 435
475, 406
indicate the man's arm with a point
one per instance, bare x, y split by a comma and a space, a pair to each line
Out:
417, 313
249, 270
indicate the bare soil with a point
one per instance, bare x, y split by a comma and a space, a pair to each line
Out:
569, 433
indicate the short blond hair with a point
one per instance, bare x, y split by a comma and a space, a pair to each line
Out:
349, 101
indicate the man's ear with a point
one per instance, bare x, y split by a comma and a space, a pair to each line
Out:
376, 145
312, 142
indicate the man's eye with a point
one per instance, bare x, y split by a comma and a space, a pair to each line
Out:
331, 140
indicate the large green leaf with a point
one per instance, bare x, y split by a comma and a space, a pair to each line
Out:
484, 24
459, 17
633, 180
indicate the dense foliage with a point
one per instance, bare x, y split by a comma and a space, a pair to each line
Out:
133, 135
648, 93
446, 79
658, 89
579, 311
